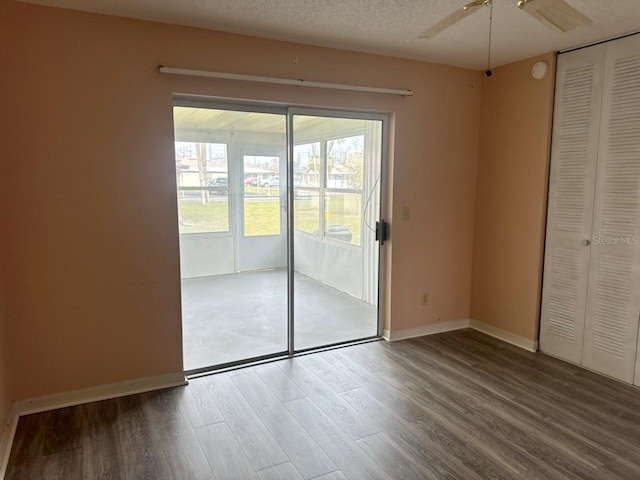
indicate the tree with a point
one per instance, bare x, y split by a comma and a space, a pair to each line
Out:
201, 156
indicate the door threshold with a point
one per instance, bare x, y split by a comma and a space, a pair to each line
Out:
252, 362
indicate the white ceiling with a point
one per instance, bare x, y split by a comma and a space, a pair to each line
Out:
388, 27
191, 118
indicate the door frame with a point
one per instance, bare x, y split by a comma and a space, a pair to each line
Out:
333, 113
289, 111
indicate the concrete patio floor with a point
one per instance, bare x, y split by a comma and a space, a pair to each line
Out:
228, 318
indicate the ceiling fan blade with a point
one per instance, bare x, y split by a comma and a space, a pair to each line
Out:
453, 18
556, 14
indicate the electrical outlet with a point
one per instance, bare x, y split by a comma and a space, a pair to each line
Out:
425, 298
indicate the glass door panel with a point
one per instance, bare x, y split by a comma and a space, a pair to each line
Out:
336, 169
233, 234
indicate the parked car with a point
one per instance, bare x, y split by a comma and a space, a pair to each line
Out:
251, 181
220, 186
270, 182
219, 182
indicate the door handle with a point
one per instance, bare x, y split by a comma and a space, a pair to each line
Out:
382, 231
586, 242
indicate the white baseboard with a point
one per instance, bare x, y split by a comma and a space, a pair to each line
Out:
513, 339
440, 327
7, 438
78, 397
422, 330
102, 392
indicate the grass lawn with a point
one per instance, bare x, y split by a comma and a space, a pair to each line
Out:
197, 218
248, 189
263, 217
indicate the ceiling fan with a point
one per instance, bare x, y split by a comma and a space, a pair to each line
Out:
555, 14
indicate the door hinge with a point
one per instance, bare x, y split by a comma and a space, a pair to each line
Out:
382, 232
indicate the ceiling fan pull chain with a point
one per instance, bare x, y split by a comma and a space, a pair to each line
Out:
488, 73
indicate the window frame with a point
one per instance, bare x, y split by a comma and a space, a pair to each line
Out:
323, 189
199, 188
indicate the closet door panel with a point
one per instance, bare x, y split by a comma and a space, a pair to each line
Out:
613, 308
571, 190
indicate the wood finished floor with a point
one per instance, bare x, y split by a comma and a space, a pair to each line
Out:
458, 405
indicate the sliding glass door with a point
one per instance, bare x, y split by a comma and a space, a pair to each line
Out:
277, 211
233, 234
336, 183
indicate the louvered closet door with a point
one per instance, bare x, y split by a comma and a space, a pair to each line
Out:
613, 308
571, 189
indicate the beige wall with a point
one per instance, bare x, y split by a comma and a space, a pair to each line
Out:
511, 197
6, 392
6, 395
92, 252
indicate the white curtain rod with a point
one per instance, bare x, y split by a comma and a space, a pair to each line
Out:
282, 81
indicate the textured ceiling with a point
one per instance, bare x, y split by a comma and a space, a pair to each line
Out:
388, 27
